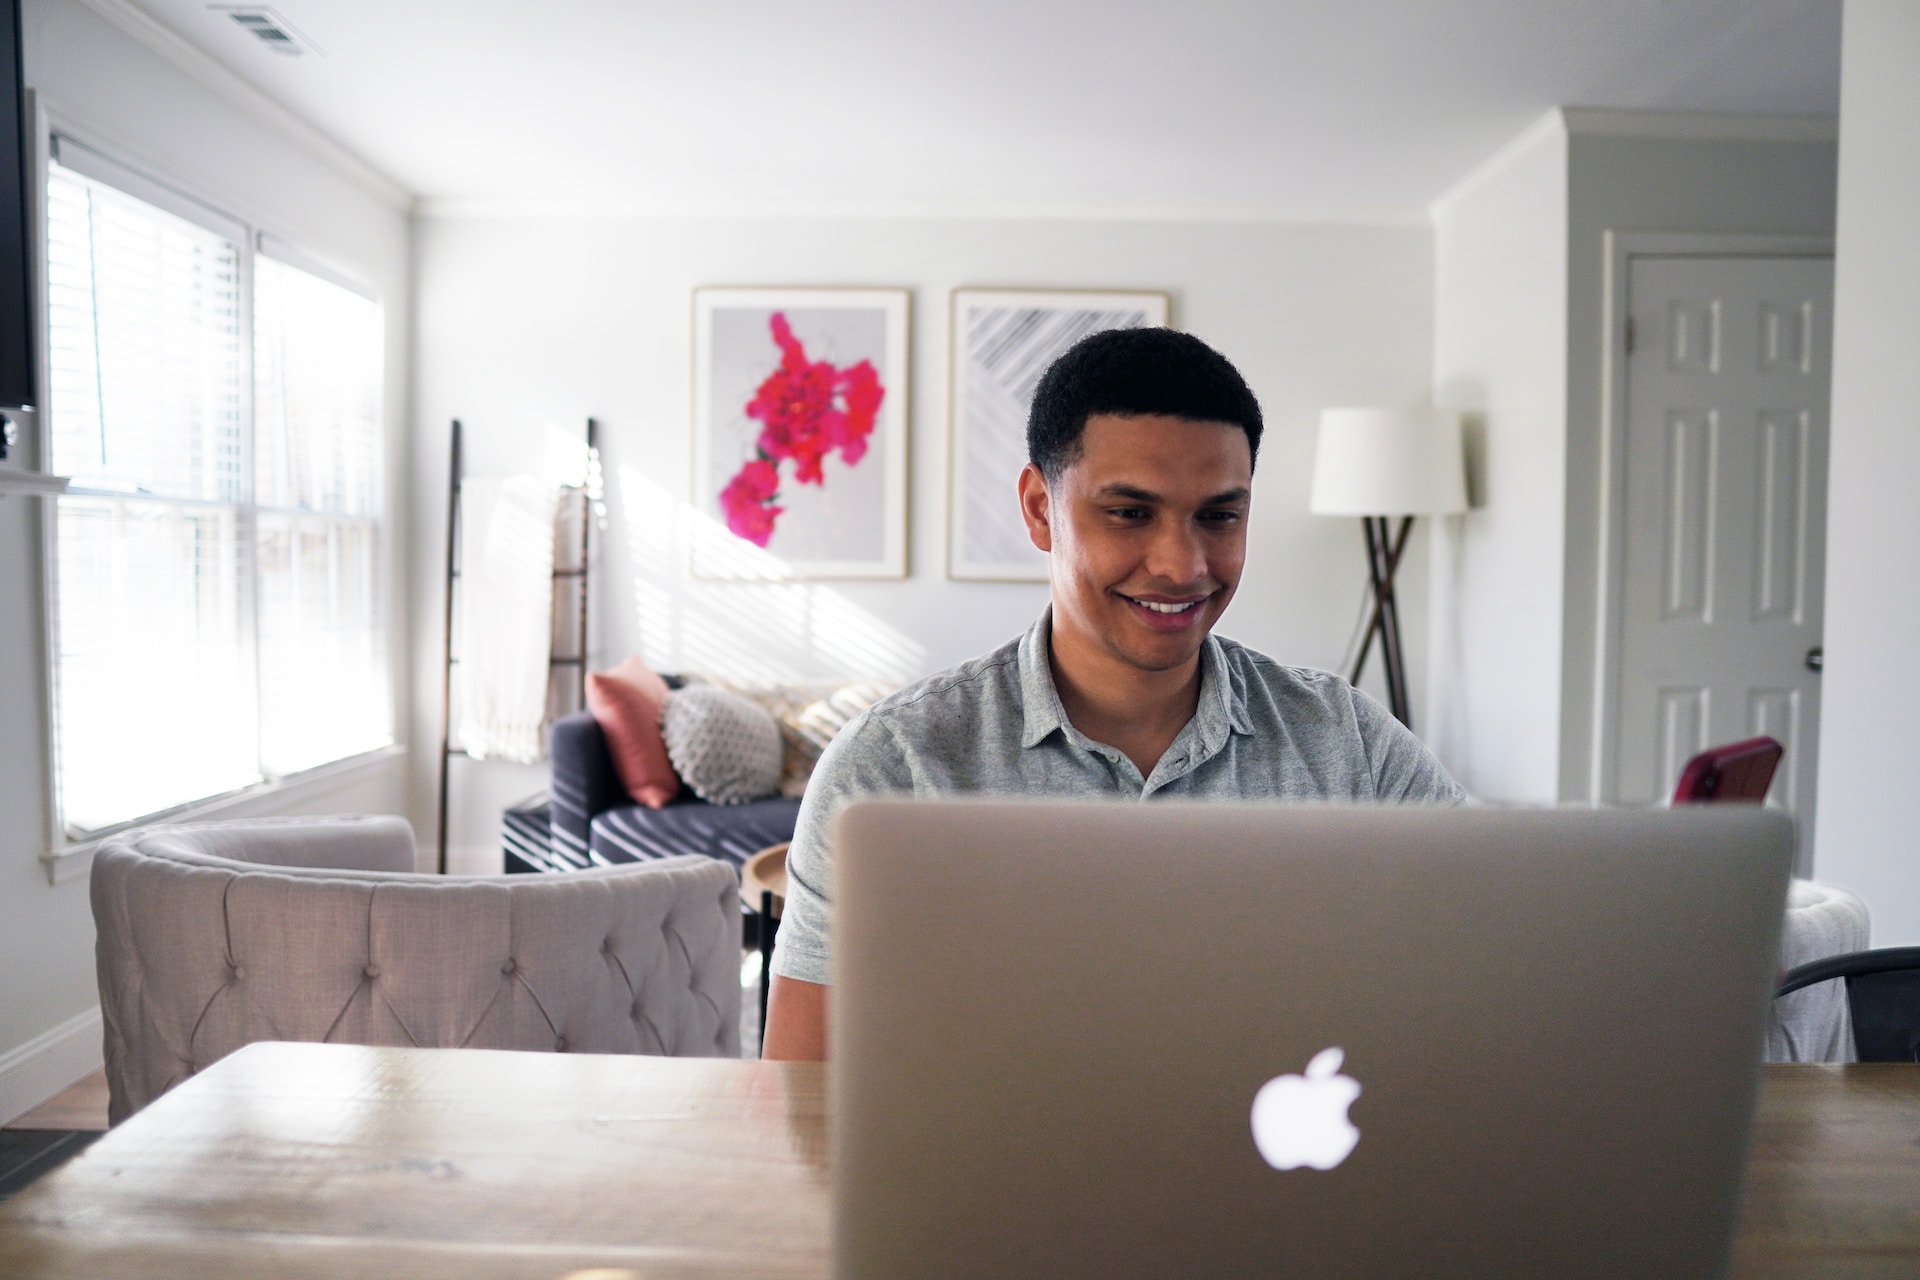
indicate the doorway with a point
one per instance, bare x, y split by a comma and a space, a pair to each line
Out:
1721, 551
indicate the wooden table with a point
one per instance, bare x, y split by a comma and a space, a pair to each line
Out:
1833, 1185
303, 1160
330, 1160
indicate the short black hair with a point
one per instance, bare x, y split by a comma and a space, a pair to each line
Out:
1134, 372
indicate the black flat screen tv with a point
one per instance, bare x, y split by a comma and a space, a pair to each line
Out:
16, 290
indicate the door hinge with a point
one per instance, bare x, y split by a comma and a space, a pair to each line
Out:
1629, 335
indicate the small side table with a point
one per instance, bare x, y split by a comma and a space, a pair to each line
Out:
763, 888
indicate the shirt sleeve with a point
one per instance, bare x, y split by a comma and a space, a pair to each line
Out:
863, 760
1404, 771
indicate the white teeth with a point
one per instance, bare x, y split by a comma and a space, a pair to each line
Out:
1167, 608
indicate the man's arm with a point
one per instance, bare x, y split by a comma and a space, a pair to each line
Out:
796, 1021
862, 760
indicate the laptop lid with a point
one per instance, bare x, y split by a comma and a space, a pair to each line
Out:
1053, 1024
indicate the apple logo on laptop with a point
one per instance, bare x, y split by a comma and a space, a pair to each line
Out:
1302, 1120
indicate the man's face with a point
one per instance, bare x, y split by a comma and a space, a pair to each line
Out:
1146, 533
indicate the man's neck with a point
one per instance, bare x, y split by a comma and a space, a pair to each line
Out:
1111, 701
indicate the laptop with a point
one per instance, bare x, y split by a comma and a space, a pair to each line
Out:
1173, 1039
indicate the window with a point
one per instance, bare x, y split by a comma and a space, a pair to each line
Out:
317, 446
217, 558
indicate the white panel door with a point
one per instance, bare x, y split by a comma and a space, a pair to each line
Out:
1726, 482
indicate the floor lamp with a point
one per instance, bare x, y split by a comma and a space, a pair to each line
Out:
1383, 464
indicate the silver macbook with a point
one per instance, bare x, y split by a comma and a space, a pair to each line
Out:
1233, 1040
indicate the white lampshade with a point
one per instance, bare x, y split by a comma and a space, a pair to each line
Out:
1388, 462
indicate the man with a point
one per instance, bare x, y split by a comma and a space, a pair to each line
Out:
1142, 444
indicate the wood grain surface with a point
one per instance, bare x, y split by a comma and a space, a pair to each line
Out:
337, 1161
1833, 1182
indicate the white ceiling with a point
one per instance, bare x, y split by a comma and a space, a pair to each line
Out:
1281, 108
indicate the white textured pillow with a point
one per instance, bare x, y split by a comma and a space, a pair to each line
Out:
722, 745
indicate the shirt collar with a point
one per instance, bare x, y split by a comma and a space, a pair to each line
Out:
1039, 700
1217, 714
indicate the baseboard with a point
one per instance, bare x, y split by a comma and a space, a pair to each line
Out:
48, 1063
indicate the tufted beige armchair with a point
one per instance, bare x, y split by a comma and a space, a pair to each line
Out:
215, 935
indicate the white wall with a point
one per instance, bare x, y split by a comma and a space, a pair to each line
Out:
1500, 357
1868, 836
525, 323
126, 96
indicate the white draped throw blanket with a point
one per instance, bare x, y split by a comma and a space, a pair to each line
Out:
506, 614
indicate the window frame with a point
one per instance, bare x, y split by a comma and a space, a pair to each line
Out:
94, 155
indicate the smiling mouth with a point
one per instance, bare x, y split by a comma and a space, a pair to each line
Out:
1166, 607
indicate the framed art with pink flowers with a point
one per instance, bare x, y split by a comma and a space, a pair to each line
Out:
800, 432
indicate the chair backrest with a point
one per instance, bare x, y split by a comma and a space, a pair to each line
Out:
339, 842
1883, 996
201, 952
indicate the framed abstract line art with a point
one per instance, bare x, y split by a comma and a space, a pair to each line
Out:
800, 433
1002, 342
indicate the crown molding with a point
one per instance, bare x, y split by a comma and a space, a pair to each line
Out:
1606, 122
214, 75
482, 208
1551, 125
1699, 126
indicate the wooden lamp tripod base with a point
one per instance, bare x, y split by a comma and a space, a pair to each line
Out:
1384, 548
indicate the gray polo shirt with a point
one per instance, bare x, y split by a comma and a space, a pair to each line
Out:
1262, 731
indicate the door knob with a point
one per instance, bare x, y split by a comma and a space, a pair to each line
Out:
1816, 658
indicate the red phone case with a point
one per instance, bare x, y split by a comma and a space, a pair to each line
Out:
1739, 771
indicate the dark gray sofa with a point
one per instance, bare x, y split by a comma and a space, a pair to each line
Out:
593, 822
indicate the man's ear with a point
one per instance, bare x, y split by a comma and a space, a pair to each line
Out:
1035, 507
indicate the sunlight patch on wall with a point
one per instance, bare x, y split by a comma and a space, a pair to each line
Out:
765, 627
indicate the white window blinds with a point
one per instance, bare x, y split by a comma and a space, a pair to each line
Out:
317, 445
144, 349
217, 558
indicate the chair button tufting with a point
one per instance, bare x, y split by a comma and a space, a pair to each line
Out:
239, 972
560, 1045
508, 967
606, 948
372, 971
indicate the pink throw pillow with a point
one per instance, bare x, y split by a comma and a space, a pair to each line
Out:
626, 702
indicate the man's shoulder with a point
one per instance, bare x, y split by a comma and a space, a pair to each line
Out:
1256, 679
1323, 715
991, 676
947, 712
